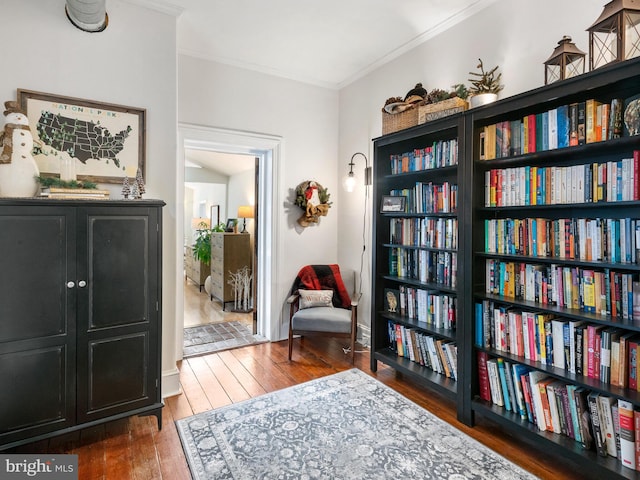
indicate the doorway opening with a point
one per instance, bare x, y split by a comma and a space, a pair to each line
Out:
220, 226
265, 150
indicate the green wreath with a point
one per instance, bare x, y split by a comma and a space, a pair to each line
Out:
301, 199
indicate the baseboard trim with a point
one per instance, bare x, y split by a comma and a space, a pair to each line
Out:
171, 383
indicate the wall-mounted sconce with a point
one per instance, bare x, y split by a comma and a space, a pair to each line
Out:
351, 179
244, 212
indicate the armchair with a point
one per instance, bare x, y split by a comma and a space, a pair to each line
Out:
320, 304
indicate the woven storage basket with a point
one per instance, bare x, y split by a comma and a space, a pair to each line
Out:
433, 111
393, 122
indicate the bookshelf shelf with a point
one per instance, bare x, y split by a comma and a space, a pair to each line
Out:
568, 313
567, 154
587, 462
579, 380
434, 381
611, 85
444, 333
564, 261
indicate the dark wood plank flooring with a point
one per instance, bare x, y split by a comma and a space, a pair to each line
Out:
134, 448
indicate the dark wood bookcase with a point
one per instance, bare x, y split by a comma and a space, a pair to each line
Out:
444, 172
621, 80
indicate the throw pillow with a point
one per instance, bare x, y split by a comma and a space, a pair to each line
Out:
315, 298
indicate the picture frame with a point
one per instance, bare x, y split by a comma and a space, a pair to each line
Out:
215, 215
393, 204
231, 225
106, 141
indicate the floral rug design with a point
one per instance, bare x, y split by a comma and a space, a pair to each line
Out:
343, 426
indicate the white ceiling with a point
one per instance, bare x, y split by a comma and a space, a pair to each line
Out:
329, 43
322, 42
224, 163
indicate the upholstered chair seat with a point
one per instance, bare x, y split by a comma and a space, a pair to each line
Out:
320, 304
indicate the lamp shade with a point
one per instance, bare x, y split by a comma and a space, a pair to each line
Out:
350, 182
245, 211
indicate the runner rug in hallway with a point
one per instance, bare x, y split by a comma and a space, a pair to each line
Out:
216, 337
343, 426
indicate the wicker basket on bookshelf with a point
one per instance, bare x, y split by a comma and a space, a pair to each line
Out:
393, 122
433, 111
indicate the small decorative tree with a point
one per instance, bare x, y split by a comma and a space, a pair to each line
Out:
140, 183
126, 189
485, 82
240, 281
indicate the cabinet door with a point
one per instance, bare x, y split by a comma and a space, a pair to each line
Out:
37, 311
118, 310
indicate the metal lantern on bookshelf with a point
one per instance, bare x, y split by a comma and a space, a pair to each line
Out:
615, 35
566, 61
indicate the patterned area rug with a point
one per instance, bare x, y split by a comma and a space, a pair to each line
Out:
344, 426
216, 337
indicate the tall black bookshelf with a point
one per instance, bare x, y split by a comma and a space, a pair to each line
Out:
476, 214
416, 252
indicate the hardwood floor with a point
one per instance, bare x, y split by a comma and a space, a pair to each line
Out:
135, 449
200, 309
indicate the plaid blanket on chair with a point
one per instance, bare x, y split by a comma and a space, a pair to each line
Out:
323, 277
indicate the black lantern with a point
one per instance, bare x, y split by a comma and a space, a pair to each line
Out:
615, 35
566, 61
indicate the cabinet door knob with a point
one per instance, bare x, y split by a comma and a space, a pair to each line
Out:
82, 283
70, 284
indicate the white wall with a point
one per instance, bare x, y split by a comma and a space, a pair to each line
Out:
132, 62
198, 199
242, 192
517, 35
306, 118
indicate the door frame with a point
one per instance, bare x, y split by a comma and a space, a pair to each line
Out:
268, 150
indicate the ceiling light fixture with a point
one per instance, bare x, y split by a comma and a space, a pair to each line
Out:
87, 15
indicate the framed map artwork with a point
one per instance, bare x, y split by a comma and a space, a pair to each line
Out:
106, 142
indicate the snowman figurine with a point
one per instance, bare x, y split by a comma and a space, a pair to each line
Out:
18, 169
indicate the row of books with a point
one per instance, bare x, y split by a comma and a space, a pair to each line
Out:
434, 353
443, 153
590, 239
568, 125
605, 292
607, 354
613, 181
424, 266
429, 198
607, 424
425, 232
431, 308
